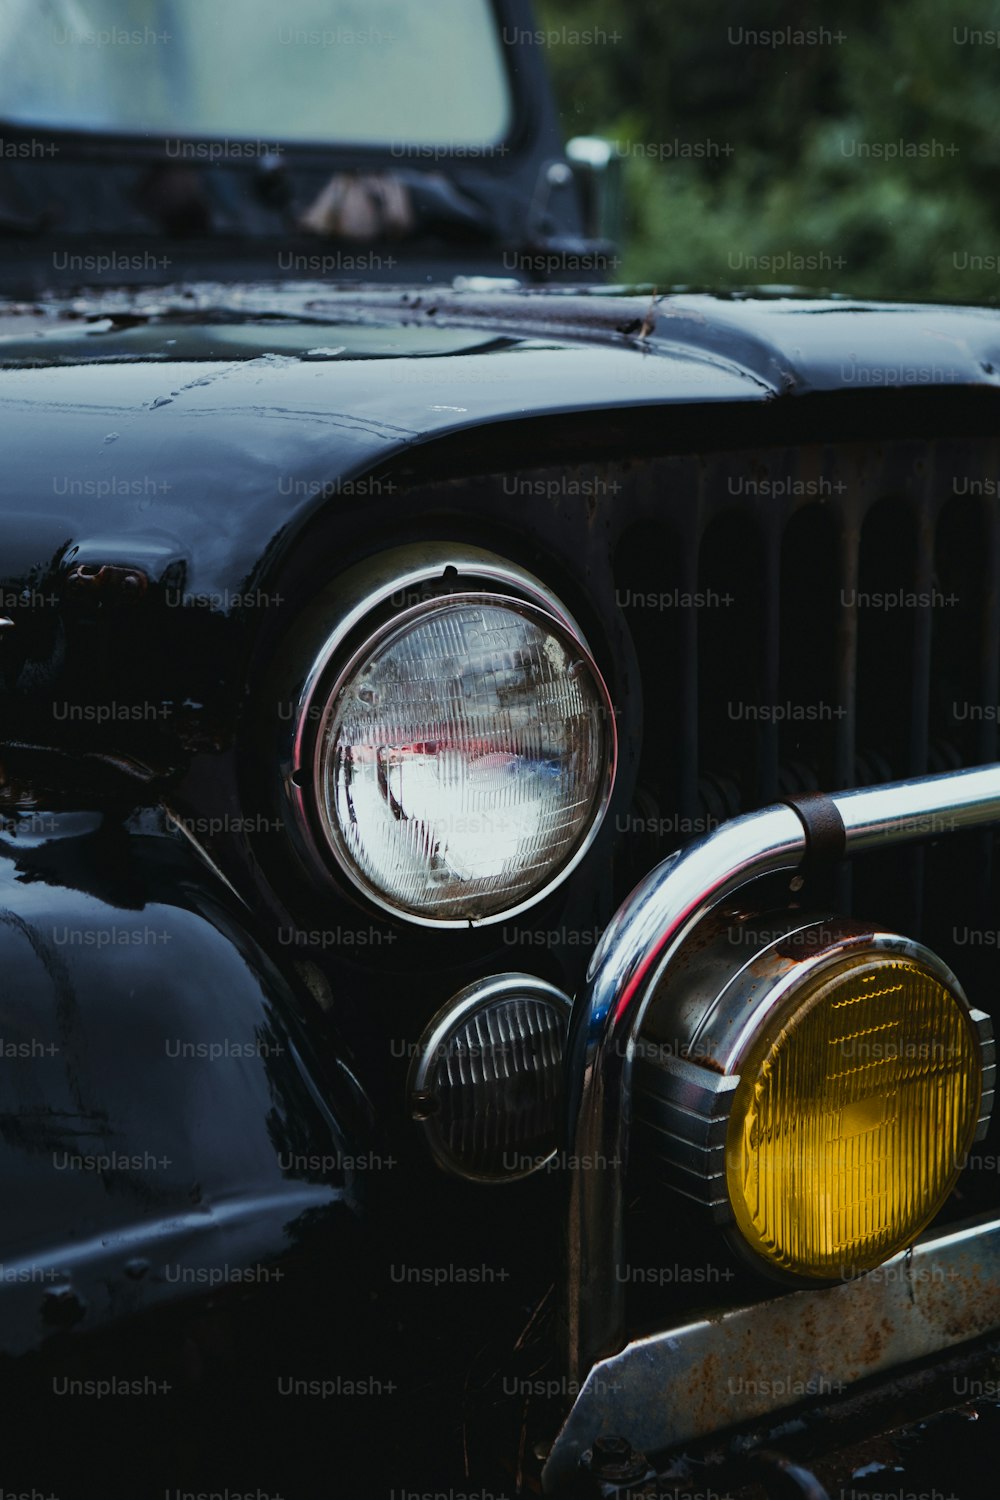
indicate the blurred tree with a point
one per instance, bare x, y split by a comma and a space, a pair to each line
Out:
864, 160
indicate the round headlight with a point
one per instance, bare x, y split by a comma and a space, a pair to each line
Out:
464, 758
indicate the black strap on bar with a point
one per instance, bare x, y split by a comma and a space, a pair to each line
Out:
826, 837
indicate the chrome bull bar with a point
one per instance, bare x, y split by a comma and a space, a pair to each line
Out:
627, 967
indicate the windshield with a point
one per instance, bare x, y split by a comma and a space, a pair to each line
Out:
362, 72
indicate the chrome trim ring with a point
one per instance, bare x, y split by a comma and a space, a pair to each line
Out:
399, 573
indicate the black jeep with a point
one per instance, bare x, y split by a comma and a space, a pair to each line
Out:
498, 780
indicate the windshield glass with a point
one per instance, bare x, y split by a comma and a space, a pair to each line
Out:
361, 72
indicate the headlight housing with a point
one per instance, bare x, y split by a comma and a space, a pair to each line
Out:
856, 1107
456, 756
817, 1084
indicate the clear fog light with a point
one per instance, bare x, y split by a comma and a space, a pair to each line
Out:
487, 1079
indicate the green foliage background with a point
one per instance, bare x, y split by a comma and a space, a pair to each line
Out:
925, 225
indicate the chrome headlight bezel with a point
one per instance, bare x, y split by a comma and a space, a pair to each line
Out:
371, 603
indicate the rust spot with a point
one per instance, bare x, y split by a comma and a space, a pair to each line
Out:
702, 1060
809, 941
706, 1389
873, 1343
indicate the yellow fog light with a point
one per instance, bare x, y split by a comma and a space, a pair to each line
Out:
816, 1085
853, 1114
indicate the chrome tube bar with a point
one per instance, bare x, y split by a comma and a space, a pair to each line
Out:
625, 970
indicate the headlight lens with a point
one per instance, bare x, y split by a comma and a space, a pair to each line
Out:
464, 759
853, 1114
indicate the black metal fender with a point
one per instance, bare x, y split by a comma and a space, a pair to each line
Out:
165, 1131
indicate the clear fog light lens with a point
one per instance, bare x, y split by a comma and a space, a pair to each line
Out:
487, 1080
465, 759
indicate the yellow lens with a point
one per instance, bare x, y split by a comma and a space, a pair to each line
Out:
852, 1117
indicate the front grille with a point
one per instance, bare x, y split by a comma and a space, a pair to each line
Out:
816, 619
794, 560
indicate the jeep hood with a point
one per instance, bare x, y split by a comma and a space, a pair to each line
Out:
154, 420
